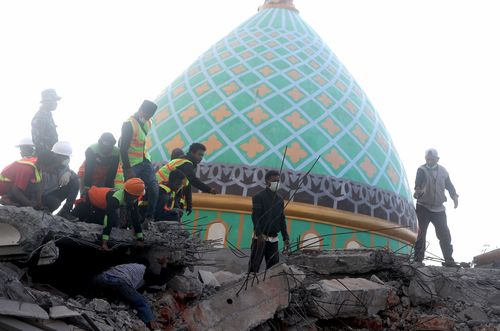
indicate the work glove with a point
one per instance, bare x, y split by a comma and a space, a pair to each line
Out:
64, 179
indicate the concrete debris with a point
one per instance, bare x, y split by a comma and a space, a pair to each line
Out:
257, 302
22, 309
208, 278
343, 262
346, 297
313, 290
37, 228
57, 312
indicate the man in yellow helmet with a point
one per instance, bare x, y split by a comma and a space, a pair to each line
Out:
136, 161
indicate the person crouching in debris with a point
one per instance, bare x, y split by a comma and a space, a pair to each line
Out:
20, 182
61, 185
124, 280
107, 203
168, 208
268, 217
431, 181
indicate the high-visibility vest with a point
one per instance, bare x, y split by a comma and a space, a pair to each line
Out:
137, 151
172, 194
119, 178
97, 196
163, 173
31, 161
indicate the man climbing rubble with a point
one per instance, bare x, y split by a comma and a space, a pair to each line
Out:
106, 203
136, 160
268, 217
62, 184
430, 184
168, 208
43, 128
187, 164
21, 181
124, 280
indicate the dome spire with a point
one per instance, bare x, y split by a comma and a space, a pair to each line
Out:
284, 4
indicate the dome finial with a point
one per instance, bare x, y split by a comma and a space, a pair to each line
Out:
285, 4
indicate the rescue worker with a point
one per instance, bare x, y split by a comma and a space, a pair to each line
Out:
107, 202
26, 147
62, 184
43, 128
430, 184
101, 164
268, 217
124, 280
20, 182
168, 208
187, 164
177, 153
136, 161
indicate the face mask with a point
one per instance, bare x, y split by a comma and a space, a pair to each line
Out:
65, 162
274, 186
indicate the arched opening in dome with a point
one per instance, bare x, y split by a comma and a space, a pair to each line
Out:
353, 244
311, 240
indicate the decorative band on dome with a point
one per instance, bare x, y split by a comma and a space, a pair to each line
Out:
283, 4
314, 189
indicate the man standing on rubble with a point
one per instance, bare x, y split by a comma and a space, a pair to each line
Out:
430, 184
136, 160
268, 217
125, 279
43, 128
187, 164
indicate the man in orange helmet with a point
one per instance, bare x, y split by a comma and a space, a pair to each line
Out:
107, 202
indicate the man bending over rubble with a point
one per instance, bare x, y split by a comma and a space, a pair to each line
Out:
268, 217
107, 203
125, 279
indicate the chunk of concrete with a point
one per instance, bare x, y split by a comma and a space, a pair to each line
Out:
247, 304
99, 305
22, 309
57, 312
187, 286
208, 278
347, 297
226, 277
345, 262
12, 324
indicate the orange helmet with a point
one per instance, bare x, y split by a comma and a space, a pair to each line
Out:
134, 186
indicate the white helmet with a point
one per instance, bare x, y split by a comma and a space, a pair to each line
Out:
62, 148
26, 141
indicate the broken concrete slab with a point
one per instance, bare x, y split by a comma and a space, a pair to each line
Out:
233, 310
434, 323
99, 305
37, 228
57, 312
208, 278
225, 277
13, 324
347, 297
342, 262
22, 309
187, 286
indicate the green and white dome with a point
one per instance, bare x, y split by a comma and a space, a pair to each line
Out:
271, 83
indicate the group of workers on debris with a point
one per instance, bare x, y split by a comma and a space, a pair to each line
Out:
118, 185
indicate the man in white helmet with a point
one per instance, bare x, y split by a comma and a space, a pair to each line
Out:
26, 147
43, 128
431, 182
63, 184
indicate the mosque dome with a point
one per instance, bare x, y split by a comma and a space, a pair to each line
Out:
273, 84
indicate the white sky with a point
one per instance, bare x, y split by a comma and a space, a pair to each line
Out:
430, 68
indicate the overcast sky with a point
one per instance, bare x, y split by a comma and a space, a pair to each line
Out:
430, 68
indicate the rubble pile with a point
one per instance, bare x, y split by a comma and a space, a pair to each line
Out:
310, 290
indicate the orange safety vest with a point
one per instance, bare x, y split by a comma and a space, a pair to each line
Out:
163, 173
137, 151
97, 196
31, 161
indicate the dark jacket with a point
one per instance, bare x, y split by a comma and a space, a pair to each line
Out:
43, 131
190, 171
268, 214
108, 162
